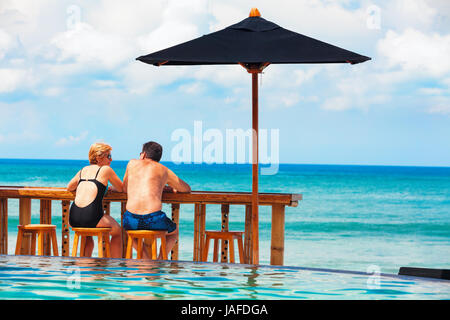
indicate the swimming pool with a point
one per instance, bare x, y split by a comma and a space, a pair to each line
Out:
49, 278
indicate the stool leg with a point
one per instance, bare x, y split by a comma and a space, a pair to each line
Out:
139, 248
206, 249
163, 247
40, 243
107, 245
33, 243
100, 244
154, 248
75, 245
54, 244
231, 244
129, 252
19, 241
83, 246
241, 250
147, 248
216, 250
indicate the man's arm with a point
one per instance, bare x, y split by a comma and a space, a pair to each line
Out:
125, 180
176, 183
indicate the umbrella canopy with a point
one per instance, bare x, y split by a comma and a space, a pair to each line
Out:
253, 40
254, 43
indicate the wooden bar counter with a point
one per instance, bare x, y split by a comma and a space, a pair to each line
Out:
278, 202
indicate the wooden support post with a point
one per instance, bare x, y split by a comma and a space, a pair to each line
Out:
225, 208
277, 241
176, 220
202, 230
255, 161
24, 219
196, 232
199, 230
107, 211
124, 232
107, 207
248, 234
65, 233
4, 226
46, 218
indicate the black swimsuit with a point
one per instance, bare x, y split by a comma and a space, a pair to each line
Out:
89, 216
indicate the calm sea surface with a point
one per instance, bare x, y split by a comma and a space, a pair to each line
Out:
350, 218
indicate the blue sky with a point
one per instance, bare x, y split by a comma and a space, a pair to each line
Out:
68, 78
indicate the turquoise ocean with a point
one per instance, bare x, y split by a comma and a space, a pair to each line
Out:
351, 217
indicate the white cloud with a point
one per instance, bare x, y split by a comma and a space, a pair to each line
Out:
402, 14
6, 43
105, 83
109, 34
13, 79
70, 140
21, 122
19, 137
140, 78
337, 104
193, 88
168, 34
440, 109
92, 49
53, 91
124, 19
415, 51
431, 91
290, 99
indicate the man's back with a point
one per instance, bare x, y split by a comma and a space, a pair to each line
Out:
144, 181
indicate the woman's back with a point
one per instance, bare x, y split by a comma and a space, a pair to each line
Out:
92, 179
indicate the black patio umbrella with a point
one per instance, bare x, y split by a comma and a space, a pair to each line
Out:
253, 43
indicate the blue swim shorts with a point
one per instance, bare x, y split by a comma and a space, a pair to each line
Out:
152, 221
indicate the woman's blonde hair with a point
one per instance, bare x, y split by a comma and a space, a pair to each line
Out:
98, 149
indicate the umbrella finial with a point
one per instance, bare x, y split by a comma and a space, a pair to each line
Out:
254, 13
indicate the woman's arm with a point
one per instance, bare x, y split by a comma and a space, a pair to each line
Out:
72, 185
117, 184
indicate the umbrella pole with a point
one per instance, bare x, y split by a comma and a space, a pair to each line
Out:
254, 259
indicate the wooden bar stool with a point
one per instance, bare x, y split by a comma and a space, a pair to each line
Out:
151, 235
40, 230
100, 233
230, 236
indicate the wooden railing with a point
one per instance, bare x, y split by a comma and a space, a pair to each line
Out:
200, 199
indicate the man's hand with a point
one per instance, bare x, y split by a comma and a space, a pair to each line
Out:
169, 189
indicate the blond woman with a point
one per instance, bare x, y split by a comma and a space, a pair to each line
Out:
90, 184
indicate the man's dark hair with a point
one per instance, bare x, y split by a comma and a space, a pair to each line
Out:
153, 150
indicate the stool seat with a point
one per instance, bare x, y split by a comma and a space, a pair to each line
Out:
151, 235
91, 231
40, 230
222, 234
229, 236
102, 234
38, 227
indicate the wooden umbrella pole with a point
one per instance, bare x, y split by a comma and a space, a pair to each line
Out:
255, 214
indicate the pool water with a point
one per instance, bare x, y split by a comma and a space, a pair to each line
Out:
56, 278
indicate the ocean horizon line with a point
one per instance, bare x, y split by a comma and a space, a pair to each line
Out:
239, 164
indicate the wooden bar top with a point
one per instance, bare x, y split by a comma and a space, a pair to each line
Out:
210, 197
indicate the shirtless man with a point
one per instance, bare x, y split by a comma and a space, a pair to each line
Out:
144, 181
